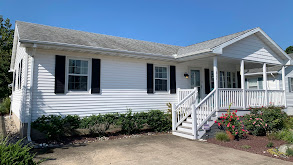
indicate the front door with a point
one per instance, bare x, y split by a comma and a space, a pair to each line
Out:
195, 81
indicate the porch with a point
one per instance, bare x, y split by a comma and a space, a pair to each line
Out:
195, 110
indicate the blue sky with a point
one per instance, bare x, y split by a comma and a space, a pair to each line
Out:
176, 22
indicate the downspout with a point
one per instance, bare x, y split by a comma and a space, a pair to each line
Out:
31, 94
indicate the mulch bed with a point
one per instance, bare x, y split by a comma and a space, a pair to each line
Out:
257, 143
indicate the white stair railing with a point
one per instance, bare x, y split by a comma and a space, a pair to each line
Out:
182, 110
205, 109
183, 93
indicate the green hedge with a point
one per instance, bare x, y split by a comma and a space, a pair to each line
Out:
55, 127
5, 106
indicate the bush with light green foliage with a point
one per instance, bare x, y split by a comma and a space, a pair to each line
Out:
222, 136
16, 153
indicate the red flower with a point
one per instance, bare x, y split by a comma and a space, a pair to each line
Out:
229, 119
216, 121
219, 124
236, 111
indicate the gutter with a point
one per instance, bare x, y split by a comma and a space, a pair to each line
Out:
31, 94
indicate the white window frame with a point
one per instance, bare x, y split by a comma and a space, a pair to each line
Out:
223, 83
88, 91
229, 79
212, 80
168, 79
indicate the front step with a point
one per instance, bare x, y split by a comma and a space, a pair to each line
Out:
184, 135
185, 129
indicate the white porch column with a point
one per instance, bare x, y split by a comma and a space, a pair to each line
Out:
265, 86
284, 85
216, 83
243, 84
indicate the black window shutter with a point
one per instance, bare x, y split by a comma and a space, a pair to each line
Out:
60, 74
96, 75
150, 78
207, 81
172, 79
238, 79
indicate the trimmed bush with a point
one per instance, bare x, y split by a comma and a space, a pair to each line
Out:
222, 136
5, 106
16, 153
132, 122
55, 127
99, 124
159, 121
255, 124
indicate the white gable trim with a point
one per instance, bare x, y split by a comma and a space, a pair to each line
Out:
219, 49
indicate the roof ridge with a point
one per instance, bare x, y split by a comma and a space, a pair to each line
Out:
99, 34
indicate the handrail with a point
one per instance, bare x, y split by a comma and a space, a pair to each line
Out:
187, 97
200, 103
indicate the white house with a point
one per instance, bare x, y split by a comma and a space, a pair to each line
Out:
67, 72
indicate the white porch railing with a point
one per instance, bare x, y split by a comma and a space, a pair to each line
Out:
276, 97
233, 96
255, 98
183, 93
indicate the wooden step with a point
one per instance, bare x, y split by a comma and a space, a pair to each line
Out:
187, 124
184, 135
185, 129
189, 119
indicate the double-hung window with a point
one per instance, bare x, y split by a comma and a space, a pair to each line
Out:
222, 79
161, 78
290, 84
78, 75
233, 80
229, 80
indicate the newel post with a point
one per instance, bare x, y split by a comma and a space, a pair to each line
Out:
194, 121
174, 117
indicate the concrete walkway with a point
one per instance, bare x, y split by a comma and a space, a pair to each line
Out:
160, 149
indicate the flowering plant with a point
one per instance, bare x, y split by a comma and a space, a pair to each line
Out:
231, 122
255, 124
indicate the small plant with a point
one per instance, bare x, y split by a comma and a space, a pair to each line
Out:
276, 152
5, 106
270, 145
222, 136
16, 153
289, 152
245, 146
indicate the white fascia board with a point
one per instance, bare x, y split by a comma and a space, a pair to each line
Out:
14, 48
260, 73
130, 53
193, 53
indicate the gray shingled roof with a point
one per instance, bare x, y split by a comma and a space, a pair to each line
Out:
37, 32
209, 44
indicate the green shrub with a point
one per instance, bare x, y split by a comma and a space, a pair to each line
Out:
273, 116
99, 124
222, 136
159, 121
5, 106
15, 153
289, 152
285, 134
132, 122
55, 127
270, 144
245, 146
288, 123
255, 124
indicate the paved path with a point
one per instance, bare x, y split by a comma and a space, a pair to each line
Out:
160, 149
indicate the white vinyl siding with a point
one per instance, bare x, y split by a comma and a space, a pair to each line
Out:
253, 49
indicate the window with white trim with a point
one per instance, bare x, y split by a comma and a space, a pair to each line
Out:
78, 75
161, 78
233, 80
229, 80
222, 79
